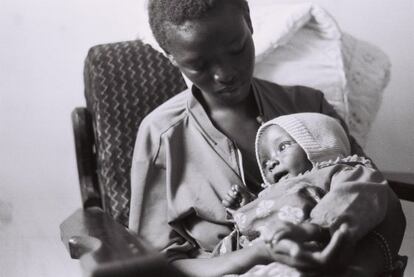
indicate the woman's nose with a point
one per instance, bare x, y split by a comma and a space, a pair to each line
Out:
225, 76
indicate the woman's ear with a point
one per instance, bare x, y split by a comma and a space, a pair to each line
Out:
172, 60
246, 15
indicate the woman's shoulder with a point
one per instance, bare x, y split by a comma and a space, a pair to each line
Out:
290, 91
167, 114
289, 99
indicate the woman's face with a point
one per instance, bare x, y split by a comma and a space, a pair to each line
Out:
280, 155
216, 53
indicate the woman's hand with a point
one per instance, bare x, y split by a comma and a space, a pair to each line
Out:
303, 232
292, 248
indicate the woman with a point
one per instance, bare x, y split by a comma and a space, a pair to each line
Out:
193, 148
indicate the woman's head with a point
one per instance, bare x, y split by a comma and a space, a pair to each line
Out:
210, 42
166, 13
292, 144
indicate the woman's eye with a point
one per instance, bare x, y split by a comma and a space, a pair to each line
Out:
197, 67
238, 50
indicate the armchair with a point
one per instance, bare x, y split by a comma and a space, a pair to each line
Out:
123, 82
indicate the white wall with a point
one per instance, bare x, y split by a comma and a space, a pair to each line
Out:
42, 48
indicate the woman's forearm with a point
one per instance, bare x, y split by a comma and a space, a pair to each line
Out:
236, 262
377, 252
393, 227
367, 260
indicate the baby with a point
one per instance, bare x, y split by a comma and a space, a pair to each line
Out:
310, 179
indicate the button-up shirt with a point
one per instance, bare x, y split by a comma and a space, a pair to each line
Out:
183, 167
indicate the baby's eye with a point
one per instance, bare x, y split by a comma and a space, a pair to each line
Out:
284, 145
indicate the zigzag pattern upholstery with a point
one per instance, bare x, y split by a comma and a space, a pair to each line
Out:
123, 83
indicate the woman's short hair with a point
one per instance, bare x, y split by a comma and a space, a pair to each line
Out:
164, 13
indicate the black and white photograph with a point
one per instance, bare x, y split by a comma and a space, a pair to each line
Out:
251, 138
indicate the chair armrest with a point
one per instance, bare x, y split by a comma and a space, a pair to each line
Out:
402, 184
86, 157
107, 248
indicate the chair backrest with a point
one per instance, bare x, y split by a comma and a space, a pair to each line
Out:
123, 83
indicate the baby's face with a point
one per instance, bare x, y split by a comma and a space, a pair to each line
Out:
280, 155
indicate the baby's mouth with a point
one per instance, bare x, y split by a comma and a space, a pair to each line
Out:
278, 176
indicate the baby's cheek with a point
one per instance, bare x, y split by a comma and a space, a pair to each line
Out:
268, 178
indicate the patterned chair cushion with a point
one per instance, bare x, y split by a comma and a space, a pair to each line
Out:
123, 83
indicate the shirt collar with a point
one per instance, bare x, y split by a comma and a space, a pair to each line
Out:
197, 111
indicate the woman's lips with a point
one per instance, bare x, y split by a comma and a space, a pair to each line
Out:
231, 89
228, 90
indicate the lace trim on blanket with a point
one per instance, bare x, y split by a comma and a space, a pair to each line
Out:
350, 160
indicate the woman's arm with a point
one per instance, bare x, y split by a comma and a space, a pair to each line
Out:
377, 252
366, 201
393, 226
358, 196
383, 244
236, 262
327, 109
361, 199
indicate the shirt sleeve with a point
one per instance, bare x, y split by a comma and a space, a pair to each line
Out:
149, 204
358, 196
393, 225
362, 198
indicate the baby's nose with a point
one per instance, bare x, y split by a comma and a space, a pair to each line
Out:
271, 164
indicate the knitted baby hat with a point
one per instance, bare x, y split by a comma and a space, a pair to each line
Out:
320, 136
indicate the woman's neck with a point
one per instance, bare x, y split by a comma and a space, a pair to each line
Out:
244, 108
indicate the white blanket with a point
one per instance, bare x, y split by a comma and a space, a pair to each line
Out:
302, 44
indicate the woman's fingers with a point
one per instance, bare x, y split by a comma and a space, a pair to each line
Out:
282, 231
326, 258
297, 255
334, 247
283, 247
304, 232
290, 231
289, 253
335, 243
290, 247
